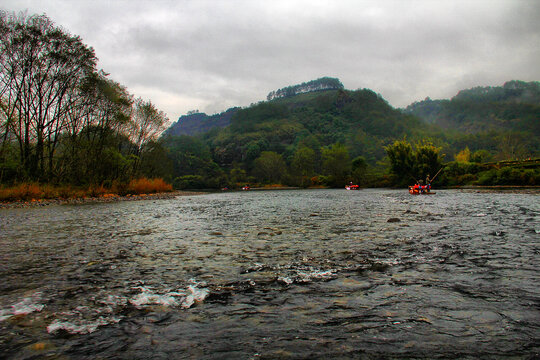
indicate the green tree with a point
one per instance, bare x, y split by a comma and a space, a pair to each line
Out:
303, 164
270, 167
336, 164
481, 156
463, 156
401, 157
427, 160
41, 71
359, 168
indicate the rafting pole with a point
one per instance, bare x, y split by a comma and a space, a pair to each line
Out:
436, 174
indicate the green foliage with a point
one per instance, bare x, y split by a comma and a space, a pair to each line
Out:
304, 131
336, 164
481, 156
304, 161
524, 173
427, 160
270, 167
401, 158
189, 182
510, 176
359, 170
408, 165
514, 107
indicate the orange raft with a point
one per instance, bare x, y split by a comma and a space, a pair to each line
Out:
420, 190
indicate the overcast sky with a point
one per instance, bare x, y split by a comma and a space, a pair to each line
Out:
211, 55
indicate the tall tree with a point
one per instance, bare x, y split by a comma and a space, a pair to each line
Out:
270, 167
41, 66
336, 164
401, 158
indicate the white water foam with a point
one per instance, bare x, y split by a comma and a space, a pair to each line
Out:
147, 297
181, 298
78, 327
196, 295
25, 306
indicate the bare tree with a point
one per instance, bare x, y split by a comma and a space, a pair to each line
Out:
41, 66
147, 123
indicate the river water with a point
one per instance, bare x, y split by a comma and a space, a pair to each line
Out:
297, 274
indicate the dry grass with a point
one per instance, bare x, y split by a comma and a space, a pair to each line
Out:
24, 191
36, 192
148, 186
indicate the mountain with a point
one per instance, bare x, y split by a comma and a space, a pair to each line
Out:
362, 120
515, 106
313, 135
196, 123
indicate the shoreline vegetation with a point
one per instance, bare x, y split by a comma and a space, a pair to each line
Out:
33, 194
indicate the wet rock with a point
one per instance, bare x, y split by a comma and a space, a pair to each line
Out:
262, 233
122, 254
220, 297
393, 220
216, 233
377, 266
411, 212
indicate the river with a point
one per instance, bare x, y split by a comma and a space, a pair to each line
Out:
295, 274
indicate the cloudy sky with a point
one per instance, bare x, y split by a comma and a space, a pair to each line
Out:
214, 54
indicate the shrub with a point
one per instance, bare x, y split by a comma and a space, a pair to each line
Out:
24, 191
487, 177
97, 191
147, 186
189, 182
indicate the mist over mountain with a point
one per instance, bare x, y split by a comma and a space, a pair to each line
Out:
515, 106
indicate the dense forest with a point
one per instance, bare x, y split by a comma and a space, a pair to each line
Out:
332, 137
63, 121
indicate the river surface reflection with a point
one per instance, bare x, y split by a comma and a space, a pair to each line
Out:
274, 274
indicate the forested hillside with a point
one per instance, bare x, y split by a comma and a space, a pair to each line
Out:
330, 137
514, 106
197, 122
317, 138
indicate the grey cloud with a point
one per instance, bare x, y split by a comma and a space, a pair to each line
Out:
212, 55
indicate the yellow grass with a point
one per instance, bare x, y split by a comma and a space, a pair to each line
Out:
148, 186
36, 192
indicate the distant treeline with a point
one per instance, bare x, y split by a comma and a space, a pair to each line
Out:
325, 83
64, 121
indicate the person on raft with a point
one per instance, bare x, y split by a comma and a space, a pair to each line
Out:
428, 183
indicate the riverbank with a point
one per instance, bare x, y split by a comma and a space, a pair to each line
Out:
500, 188
97, 199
